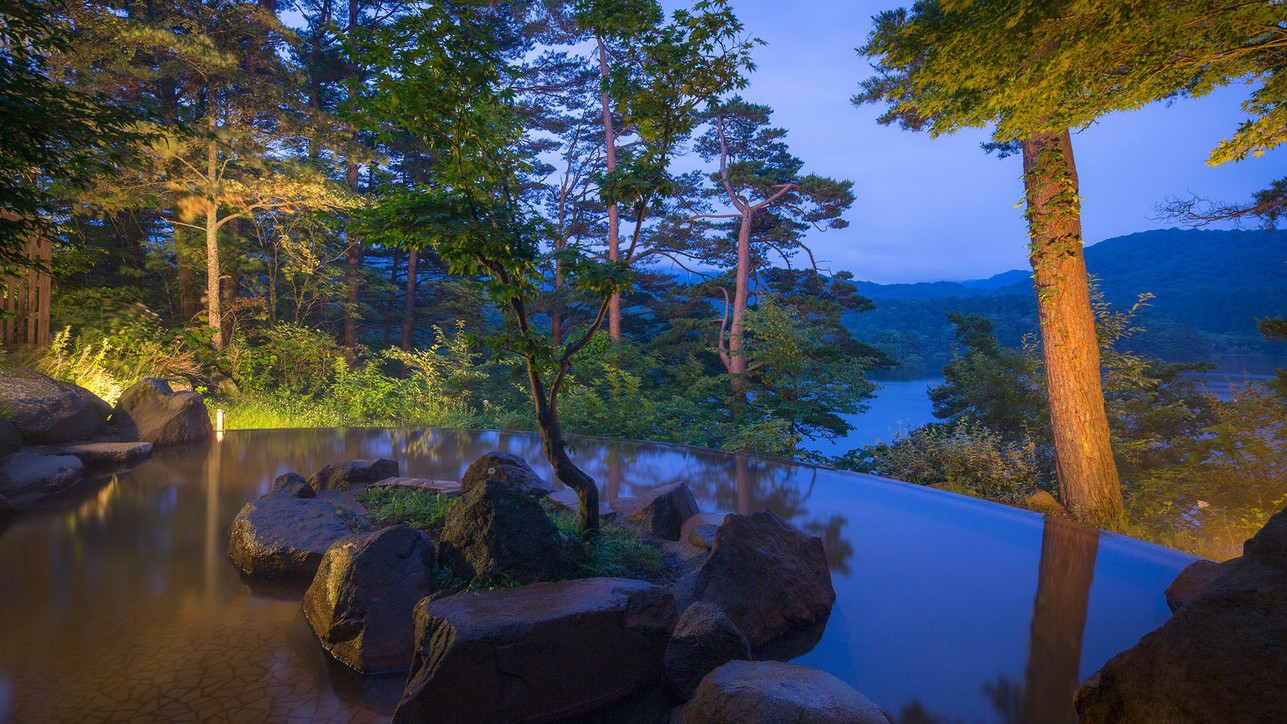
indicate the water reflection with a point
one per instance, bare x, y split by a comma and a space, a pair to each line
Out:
120, 601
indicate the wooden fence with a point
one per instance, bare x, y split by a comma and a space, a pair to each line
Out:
26, 300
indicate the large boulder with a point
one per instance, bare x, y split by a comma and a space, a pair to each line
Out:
361, 600
108, 454
1193, 580
29, 476
770, 577
283, 537
767, 692
705, 638
542, 652
1221, 658
292, 485
496, 533
44, 410
152, 412
507, 468
699, 530
10, 438
660, 511
353, 473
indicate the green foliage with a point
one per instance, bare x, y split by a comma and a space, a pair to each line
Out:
997, 387
606, 394
965, 455
131, 346
56, 138
1220, 487
291, 359
422, 509
618, 552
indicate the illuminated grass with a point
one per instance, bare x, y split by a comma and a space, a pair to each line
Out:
417, 508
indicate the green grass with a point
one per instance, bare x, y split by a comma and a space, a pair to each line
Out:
618, 552
251, 412
417, 508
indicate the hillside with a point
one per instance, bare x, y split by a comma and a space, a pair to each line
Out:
1209, 288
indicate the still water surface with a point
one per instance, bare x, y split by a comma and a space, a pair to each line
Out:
122, 605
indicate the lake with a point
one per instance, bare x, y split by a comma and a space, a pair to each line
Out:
120, 603
900, 405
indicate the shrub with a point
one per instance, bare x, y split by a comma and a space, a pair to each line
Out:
292, 359
965, 455
134, 345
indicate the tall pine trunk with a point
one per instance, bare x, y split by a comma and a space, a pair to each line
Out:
614, 213
1088, 480
353, 254
214, 310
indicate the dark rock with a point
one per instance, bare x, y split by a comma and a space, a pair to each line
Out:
150, 411
507, 468
292, 485
29, 476
8, 507
542, 652
660, 511
44, 410
353, 473
1220, 658
1192, 580
10, 438
767, 692
108, 454
1045, 503
769, 576
361, 599
704, 639
699, 530
450, 488
495, 532
282, 537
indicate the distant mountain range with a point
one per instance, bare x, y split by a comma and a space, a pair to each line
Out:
1209, 289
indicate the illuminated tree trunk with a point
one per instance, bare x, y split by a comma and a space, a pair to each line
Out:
1087, 474
1065, 575
214, 310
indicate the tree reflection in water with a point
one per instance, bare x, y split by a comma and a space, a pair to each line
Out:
1064, 578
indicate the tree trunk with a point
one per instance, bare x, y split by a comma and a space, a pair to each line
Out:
614, 214
1087, 474
394, 261
409, 306
1065, 575
737, 365
547, 421
353, 254
214, 310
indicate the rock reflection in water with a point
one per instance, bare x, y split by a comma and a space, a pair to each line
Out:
120, 602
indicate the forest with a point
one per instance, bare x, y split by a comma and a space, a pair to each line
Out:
565, 217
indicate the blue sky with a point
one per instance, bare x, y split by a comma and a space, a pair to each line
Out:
932, 209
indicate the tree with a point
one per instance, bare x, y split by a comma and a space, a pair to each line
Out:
56, 138
990, 384
447, 76
771, 205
